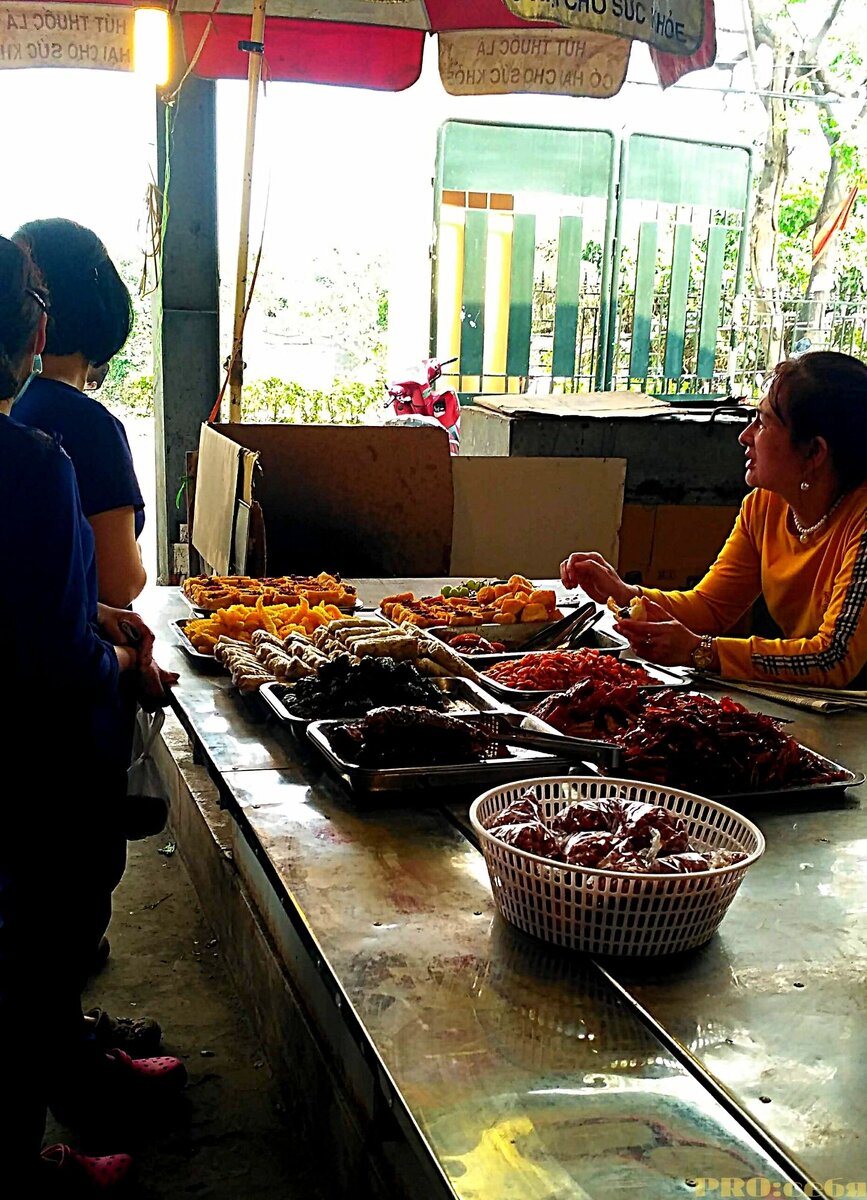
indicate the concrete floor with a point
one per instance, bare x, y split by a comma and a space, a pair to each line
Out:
227, 1141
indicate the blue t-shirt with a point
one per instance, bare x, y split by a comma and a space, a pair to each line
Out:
93, 438
59, 694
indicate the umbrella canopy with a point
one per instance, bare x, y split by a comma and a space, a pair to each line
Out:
486, 47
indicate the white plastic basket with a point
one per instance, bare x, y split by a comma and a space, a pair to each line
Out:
612, 912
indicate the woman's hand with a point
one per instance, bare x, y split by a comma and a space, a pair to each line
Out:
124, 628
153, 686
596, 577
659, 639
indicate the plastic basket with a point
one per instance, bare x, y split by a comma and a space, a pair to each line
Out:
611, 912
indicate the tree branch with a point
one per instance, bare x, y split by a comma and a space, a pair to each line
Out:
833, 13
749, 30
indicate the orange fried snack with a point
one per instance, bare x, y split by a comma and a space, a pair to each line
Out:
214, 592
240, 621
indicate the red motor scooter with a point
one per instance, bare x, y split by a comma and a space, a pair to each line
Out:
417, 398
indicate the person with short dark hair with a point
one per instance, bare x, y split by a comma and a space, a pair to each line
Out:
90, 321
62, 847
800, 540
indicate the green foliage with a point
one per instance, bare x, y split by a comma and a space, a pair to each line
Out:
129, 385
276, 401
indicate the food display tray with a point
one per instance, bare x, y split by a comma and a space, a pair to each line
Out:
198, 611
206, 662
605, 643
662, 679
376, 781
465, 697
827, 789
513, 635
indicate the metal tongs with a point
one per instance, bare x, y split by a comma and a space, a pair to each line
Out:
566, 630
521, 729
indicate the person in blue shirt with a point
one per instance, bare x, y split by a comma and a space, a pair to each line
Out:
61, 846
90, 321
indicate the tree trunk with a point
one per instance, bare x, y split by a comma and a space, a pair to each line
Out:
811, 325
764, 232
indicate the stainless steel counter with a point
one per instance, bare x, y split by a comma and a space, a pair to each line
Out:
519, 1071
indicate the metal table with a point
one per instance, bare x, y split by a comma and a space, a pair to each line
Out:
517, 1071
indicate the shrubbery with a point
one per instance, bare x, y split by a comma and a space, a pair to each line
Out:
280, 402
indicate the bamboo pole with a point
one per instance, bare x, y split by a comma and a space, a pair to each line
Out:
254, 76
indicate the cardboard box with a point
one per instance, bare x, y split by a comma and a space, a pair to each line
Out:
376, 501
671, 546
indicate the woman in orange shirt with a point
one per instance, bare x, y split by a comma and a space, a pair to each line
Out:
800, 539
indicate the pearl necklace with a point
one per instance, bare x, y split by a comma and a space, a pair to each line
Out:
804, 531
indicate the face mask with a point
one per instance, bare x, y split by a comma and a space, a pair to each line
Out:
35, 370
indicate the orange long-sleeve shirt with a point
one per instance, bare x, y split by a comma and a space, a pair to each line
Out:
816, 592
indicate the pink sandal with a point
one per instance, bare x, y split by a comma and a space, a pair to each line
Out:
157, 1075
78, 1174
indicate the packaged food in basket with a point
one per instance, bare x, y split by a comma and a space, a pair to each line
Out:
628, 836
219, 591
510, 603
639, 869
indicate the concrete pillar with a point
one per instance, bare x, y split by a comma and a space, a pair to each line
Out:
186, 305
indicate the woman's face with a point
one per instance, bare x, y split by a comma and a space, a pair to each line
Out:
773, 462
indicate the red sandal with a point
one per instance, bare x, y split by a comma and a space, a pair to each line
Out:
65, 1172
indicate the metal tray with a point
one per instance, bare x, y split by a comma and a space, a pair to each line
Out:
852, 779
206, 661
372, 781
198, 611
665, 679
826, 789
605, 643
510, 634
465, 698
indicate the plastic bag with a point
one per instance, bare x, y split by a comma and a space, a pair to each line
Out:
147, 799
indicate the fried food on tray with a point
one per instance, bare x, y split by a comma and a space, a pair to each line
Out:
519, 600
240, 622
219, 591
553, 670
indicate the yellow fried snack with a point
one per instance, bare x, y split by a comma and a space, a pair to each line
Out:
213, 592
636, 609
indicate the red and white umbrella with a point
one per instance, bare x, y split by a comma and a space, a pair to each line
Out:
485, 46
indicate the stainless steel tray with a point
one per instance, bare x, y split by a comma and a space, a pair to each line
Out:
604, 642
198, 611
826, 789
206, 661
663, 678
465, 698
510, 634
521, 764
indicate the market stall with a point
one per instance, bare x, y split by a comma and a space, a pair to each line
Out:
459, 1057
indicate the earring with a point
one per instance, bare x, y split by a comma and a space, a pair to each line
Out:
36, 369
805, 487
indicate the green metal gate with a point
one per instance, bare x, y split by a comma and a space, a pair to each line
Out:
526, 293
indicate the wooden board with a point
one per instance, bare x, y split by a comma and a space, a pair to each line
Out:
361, 500
528, 514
